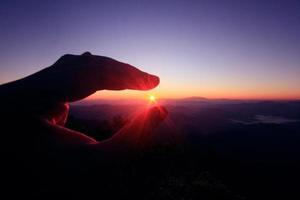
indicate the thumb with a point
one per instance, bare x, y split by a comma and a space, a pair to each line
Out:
138, 132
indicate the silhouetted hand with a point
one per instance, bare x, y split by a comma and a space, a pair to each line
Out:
36, 107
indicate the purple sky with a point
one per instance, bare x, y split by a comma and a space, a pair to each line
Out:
235, 49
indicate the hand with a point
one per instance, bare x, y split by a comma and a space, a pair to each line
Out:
35, 108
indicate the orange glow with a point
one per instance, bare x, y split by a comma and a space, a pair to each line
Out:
216, 91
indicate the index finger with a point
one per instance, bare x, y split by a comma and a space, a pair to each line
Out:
115, 75
75, 77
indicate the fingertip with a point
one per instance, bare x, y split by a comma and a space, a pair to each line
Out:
150, 82
154, 80
158, 113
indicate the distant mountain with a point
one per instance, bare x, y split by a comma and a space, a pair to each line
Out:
195, 98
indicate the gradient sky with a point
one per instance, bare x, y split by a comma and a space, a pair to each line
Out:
215, 49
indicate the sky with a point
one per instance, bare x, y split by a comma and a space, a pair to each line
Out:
216, 49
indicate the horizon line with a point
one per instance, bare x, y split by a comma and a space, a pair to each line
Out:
191, 98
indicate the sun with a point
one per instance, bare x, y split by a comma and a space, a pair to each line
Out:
152, 98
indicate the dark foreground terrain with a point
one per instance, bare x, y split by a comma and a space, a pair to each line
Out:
206, 149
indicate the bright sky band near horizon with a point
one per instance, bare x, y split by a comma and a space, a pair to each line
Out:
216, 49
